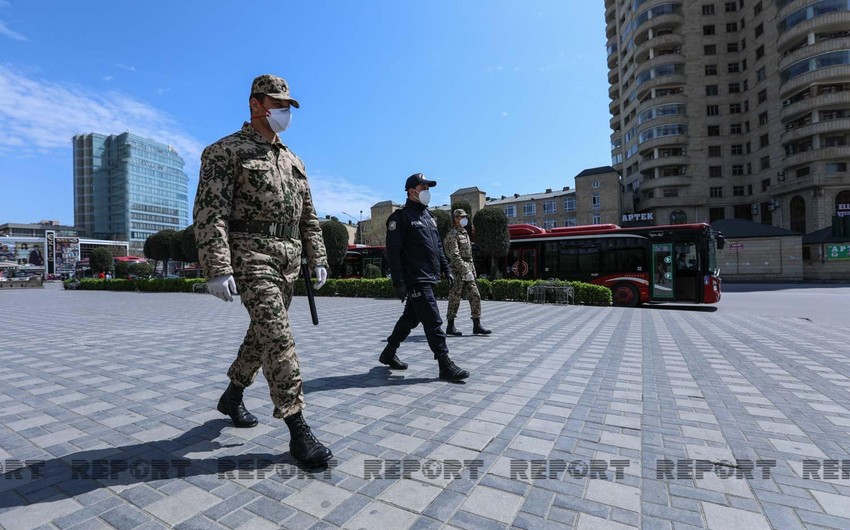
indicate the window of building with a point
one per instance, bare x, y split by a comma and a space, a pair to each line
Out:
759, 52
803, 171
737, 149
708, 29
735, 108
716, 214
743, 211
711, 90
549, 207
711, 69
734, 88
745, 85
759, 30
834, 167
835, 141
733, 68
764, 141
597, 219
735, 128
714, 130
708, 9
715, 151
671, 192
715, 192
761, 74
743, 44
731, 47
749, 168
762, 96
765, 162
731, 27
737, 169
570, 221
715, 171
528, 209
570, 204
731, 7
738, 191
595, 201
765, 184
709, 49
757, 9
549, 223
763, 118
712, 110
510, 210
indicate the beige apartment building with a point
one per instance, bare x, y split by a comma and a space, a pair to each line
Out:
731, 109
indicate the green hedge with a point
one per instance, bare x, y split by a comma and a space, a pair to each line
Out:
585, 293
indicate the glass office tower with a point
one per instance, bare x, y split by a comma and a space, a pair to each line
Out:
127, 187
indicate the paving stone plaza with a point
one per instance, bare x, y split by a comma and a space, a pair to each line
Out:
574, 417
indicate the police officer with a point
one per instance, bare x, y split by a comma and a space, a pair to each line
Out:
253, 217
459, 252
416, 259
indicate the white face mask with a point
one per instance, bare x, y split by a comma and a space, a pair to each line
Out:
279, 119
464, 221
424, 197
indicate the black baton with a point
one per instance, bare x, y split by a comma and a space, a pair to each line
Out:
305, 272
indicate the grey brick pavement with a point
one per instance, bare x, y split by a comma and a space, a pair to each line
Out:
122, 377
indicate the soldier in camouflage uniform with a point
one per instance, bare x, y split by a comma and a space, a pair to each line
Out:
254, 216
459, 252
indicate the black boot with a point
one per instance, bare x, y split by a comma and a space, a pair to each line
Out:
303, 445
389, 358
231, 405
452, 330
477, 329
449, 370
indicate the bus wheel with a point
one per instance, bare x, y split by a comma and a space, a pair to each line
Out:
626, 295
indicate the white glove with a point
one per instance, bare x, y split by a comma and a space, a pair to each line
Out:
468, 277
223, 287
321, 276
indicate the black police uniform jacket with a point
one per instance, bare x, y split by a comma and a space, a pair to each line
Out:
414, 249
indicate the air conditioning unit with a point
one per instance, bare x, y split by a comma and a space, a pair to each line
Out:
780, 176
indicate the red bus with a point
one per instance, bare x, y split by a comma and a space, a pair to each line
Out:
671, 263
357, 257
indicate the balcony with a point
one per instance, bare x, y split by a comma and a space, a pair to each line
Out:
611, 28
664, 141
664, 162
822, 77
830, 22
822, 127
672, 21
614, 107
673, 202
816, 155
821, 102
664, 182
813, 50
674, 80
614, 92
614, 122
793, 184
672, 39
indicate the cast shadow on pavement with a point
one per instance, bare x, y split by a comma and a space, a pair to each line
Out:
38, 481
378, 376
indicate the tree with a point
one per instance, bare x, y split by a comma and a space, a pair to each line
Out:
100, 260
142, 269
190, 245
492, 237
444, 222
160, 247
175, 246
335, 236
122, 269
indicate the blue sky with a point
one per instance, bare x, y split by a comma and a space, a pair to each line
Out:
509, 96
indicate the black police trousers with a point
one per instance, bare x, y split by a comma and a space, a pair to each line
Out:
421, 306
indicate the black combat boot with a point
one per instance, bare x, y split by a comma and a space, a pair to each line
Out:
389, 358
477, 329
231, 405
303, 445
452, 330
449, 370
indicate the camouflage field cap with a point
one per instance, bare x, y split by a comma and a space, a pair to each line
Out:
274, 87
460, 212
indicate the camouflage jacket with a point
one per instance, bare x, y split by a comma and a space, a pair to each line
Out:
244, 177
459, 251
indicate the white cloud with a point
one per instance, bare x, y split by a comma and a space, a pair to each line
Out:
30, 122
8, 32
334, 195
125, 67
108, 78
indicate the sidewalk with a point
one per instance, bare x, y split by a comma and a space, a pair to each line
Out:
574, 417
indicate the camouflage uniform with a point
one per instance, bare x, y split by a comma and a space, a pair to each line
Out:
459, 251
246, 178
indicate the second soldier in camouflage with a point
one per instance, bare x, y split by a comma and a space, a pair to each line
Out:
459, 253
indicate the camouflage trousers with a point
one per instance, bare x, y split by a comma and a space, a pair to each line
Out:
468, 290
269, 344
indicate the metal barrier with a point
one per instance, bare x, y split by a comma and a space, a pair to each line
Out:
543, 293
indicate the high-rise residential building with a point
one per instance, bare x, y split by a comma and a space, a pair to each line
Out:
127, 187
731, 109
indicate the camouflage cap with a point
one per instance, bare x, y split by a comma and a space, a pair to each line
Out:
460, 212
274, 87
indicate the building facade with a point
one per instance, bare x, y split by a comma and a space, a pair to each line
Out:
731, 109
127, 188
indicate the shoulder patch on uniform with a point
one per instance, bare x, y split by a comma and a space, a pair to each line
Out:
391, 225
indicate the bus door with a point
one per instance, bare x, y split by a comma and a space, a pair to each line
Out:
687, 275
663, 272
522, 263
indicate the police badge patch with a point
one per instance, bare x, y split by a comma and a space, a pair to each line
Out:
391, 226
